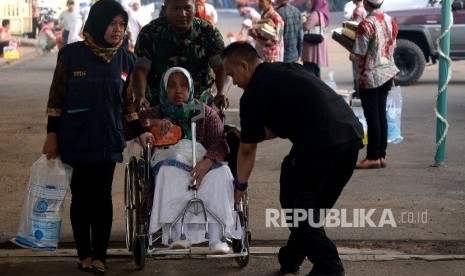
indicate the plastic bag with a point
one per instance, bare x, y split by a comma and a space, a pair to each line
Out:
40, 224
358, 111
393, 115
330, 81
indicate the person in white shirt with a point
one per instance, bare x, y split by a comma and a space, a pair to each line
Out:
248, 12
71, 23
210, 11
138, 18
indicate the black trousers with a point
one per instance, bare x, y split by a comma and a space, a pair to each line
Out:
35, 27
312, 183
2, 45
92, 209
64, 36
374, 109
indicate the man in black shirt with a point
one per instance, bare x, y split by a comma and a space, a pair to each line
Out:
285, 100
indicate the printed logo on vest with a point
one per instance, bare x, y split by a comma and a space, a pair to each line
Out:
80, 73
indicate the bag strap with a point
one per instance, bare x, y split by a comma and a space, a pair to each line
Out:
319, 19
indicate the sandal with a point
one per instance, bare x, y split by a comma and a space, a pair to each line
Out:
81, 267
98, 268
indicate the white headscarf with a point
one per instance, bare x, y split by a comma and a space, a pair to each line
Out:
172, 70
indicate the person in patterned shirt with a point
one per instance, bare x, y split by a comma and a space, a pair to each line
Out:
271, 50
374, 48
179, 39
358, 16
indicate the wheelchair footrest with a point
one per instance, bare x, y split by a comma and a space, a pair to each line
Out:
195, 252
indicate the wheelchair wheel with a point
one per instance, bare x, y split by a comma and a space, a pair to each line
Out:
237, 248
131, 202
237, 244
140, 251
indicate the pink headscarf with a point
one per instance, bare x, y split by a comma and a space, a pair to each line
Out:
321, 6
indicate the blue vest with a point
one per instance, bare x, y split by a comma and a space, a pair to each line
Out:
91, 127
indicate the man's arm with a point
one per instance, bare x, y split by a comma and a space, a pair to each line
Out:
220, 80
245, 164
269, 134
138, 87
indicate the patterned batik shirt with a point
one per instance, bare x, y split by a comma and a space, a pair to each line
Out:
274, 52
359, 14
375, 44
159, 48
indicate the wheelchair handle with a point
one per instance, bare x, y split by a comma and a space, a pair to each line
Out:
147, 161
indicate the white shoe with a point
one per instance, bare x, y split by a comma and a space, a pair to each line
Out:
219, 248
180, 244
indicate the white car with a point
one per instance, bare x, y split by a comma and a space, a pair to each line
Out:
391, 5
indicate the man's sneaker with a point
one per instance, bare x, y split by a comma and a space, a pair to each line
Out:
219, 248
180, 244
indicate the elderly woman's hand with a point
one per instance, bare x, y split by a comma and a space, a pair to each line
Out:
164, 126
200, 170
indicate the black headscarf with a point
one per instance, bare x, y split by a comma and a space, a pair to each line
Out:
101, 14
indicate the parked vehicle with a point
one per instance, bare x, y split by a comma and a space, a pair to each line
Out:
419, 30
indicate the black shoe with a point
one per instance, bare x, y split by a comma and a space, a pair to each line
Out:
342, 273
286, 268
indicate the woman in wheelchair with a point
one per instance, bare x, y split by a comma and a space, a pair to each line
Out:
173, 173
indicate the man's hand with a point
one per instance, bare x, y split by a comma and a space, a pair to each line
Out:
352, 57
200, 170
238, 195
253, 33
221, 101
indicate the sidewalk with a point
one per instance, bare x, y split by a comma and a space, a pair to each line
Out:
263, 261
27, 50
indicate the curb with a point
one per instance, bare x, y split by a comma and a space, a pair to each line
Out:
347, 254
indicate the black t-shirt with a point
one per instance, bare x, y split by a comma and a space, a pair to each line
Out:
292, 103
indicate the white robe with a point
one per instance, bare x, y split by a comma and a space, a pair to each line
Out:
171, 195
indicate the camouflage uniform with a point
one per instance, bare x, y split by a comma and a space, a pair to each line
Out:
159, 48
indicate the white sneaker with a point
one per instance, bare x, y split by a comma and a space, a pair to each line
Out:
180, 244
219, 248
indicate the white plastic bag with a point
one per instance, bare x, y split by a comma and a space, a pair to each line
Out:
40, 223
330, 81
393, 115
358, 111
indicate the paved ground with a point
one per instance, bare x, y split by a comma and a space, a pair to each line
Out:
426, 202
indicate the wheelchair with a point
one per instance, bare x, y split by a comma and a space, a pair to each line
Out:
138, 197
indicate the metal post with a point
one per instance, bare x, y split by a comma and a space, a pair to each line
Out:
442, 85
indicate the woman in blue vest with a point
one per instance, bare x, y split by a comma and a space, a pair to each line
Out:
88, 101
